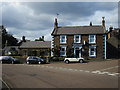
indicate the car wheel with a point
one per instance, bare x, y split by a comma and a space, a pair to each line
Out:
39, 62
28, 62
66, 61
81, 61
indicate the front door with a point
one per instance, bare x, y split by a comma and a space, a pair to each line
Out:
77, 52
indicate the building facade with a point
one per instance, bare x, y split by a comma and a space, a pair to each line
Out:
79, 41
113, 43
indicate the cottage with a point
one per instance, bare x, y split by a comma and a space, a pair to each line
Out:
79, 41
35, 48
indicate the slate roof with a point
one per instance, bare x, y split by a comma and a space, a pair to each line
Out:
36, 44
9, 47
78, 30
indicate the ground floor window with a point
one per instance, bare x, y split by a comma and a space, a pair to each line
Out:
25, 53
63, 51
92, 51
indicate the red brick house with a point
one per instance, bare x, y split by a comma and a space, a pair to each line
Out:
79, 41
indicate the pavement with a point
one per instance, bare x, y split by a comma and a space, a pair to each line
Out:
103, 74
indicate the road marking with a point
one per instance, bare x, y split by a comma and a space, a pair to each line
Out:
87, 71
101, 72
75, 70
70, 69
5, 84
80, 70
109, 68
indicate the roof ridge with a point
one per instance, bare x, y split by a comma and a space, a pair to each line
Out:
38, 41
79, 26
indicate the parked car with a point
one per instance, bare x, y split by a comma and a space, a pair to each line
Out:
8, 59
68, 60
35, 59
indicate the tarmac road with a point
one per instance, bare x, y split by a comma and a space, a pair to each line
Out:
60, 75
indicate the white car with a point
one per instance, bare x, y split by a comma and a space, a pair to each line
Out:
68, 60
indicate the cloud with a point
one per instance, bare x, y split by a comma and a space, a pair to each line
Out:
34, 19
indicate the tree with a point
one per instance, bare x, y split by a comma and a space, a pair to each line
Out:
40, 39
56, 51
11, 41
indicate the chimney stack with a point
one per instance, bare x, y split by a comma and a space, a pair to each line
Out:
103, 22
56, 24
90, 23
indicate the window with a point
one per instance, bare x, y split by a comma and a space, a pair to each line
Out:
92, 51
25, 53
63, 51
63, 39
77, 38
92, 38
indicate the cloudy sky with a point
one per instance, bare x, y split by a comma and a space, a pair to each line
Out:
35, 19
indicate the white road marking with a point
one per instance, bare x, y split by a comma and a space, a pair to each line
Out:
109, 68
87, 71
70, 69
80, 70
94, 72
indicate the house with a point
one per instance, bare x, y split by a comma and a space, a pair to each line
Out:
113, 43
35, 48
79, 41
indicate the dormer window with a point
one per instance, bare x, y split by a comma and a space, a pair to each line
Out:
77, 38
62, 38
92, 38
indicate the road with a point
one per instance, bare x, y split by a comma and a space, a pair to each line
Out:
60, 75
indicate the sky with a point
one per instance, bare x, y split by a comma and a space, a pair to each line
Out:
36, 19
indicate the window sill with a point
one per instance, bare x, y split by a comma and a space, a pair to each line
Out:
63, 43
92, 42
92, 56
62, 55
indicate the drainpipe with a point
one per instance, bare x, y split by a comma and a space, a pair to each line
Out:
105, 47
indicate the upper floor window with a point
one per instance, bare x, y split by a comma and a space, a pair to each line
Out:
62, 38
77, 38
92, 38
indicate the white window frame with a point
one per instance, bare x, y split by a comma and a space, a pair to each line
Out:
90, 47
62, 51
75, 38
61, 38
94, 39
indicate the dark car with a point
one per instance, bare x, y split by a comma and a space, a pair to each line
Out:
34, 59
8, 59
